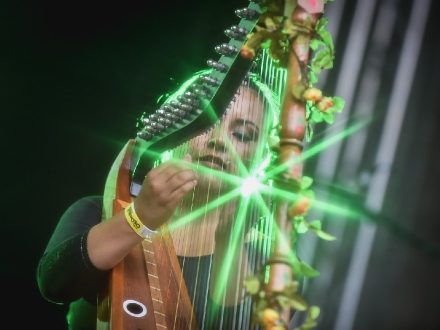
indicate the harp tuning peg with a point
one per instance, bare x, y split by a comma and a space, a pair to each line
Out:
217, 66
236, 32
246, 13
209, 80
144, 135
226, 49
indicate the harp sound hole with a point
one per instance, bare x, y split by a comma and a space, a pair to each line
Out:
134, 308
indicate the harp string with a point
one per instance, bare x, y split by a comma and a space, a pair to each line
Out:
202, 211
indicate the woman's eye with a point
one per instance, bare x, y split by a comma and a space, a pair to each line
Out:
244, 137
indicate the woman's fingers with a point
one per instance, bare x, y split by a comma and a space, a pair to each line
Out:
162, 190
182, 187
167, 169
171, 176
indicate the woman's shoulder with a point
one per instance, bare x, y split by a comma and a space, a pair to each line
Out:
93, 201
86, 209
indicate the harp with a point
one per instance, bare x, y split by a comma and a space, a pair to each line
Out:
142, 288
146, 290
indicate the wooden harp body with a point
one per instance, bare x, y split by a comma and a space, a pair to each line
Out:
146, 289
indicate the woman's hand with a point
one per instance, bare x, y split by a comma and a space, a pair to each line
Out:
109, 241
163, 189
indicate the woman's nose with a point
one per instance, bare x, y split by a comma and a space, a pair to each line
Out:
217, 138
218, 143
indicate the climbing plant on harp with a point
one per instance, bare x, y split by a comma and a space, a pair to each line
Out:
275, 33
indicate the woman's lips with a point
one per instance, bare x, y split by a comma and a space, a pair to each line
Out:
212, 162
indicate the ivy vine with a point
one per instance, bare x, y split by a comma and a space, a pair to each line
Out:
263, 308
275, 33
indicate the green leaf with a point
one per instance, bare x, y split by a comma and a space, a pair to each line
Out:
308, 193
338, 104
316, 65
291, 32
316, 61
313, 78
261, 305
328, 117
298, 90
309, 324
283, 301
307, 22
316, 116
308, 111
314, 312
315, 43
309, 131
325, 236
252, 284
266, 44
296, 265
291, 288
297, 302
302, 226
327, 38
307, 270
321, 23
306, 182
270, 24
322, 60
315, 225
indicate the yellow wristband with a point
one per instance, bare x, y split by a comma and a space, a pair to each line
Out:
136, 224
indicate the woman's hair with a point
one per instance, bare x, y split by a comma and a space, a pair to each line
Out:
252, 81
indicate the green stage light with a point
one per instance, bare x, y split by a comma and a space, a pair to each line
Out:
249, 186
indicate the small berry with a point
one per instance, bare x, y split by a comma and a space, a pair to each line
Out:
312, 94
247, 52
270, 316
300, 207
325, 104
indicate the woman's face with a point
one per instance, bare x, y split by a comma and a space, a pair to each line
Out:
233, 144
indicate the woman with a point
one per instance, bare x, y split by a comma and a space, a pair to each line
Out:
83, 249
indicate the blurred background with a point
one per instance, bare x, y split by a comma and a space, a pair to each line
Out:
75, 76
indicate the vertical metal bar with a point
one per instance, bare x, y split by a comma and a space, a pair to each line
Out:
385, 154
